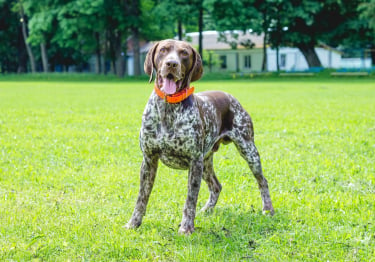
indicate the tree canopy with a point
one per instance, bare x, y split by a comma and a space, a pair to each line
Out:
300, 23
49, 35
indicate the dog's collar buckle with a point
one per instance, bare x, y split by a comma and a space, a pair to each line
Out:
175, 98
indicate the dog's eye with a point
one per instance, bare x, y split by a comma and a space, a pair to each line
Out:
184, 53
163, 50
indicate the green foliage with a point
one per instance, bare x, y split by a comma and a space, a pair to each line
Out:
367, 10
39, 25
234, 14
157, 21
166, 20
9, 38
69, 171
302, 24
77, 22
74, 30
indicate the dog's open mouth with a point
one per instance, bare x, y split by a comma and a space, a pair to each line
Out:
170, 83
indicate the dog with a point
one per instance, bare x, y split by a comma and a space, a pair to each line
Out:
184, 130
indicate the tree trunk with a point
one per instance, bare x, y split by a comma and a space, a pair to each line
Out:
372, 53
265, 30
278, 37
113, 66
136, 10
200, 28
98, 55
136, 52
24, 33
264, 62
98, 63
179, 29
125, 60
43, 51
104, 66
237, 62
22, 53
277, 58
112, 50
120, 63
310, 55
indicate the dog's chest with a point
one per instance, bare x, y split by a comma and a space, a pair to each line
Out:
174, 131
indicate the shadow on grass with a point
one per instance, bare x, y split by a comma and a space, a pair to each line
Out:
226, 234
230, 221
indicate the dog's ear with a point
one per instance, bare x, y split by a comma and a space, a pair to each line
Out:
149, 62
197, 68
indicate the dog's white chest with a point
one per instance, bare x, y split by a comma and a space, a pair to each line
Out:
173, 132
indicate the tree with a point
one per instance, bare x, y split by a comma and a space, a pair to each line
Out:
79, 31
40, 26
135, 24
268, 14
13, 54
241, 15
200, 28
42, 18
303, 27
334, 22
367, 10
18, 7
299, 23
277, 26
149, 20
187, 16
367, 13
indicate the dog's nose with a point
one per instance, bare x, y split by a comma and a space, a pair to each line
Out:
172, 63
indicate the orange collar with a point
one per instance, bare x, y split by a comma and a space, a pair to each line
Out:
175, 98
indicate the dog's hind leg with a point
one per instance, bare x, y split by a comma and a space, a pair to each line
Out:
212, 182
249, 152
147, 178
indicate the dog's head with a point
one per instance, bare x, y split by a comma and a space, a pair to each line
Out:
176, 64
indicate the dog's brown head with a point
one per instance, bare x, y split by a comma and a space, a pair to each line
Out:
176, 64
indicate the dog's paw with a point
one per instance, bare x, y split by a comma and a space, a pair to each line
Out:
207, 209
129, 226
268, 212
186, 227
186, 231
132, 225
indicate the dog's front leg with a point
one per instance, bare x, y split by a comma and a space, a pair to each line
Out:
147, 178
194, 183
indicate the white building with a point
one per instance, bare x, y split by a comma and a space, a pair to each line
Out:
221, 57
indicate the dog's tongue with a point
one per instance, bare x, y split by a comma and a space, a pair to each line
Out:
169, 86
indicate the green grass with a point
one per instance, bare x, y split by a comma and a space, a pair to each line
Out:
69, 167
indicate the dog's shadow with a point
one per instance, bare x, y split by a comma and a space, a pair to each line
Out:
232, 231
240, 232
229, 221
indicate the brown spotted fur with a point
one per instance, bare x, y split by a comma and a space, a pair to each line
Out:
186, 135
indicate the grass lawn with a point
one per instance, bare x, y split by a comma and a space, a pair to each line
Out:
69, 167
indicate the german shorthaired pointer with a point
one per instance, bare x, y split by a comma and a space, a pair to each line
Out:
184, 130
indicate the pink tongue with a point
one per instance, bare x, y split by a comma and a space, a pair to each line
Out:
169, 86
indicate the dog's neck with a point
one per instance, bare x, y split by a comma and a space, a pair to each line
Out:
171, 114
175, 98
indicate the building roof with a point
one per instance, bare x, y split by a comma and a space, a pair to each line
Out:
211, 39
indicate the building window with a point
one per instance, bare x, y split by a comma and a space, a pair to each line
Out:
223, 62
247, 61
283, 60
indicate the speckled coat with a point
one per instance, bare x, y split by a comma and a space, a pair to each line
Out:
185, 135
